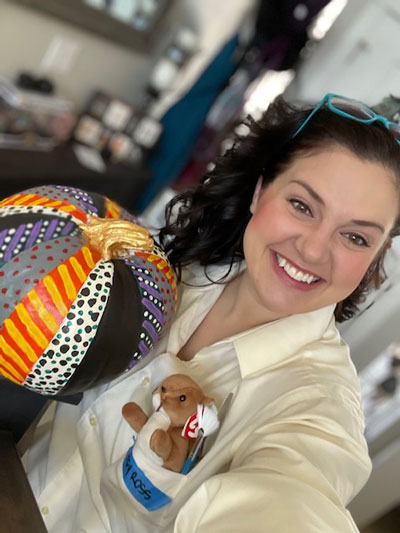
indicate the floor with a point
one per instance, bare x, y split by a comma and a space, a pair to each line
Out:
389, 523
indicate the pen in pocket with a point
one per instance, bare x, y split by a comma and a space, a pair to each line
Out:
208, 422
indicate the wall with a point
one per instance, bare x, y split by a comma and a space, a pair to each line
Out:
358, 57
26, 33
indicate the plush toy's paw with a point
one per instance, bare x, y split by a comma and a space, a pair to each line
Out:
161, 443
134, 415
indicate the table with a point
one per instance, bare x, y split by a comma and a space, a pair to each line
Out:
22, 169
18, 509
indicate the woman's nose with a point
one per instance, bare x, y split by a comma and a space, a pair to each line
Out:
315, 245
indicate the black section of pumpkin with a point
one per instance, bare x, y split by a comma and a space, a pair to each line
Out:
117, 337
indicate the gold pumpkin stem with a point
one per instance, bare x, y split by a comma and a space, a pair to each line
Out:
115, 238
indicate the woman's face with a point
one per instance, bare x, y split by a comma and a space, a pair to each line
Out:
316, 229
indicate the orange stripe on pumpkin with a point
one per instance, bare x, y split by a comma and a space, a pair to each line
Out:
9, 375
71, 209
22, 337
54, 203
55, 288
34, 199
15, 353
38, 200
31, 328
112, 209
90, 257
11, 360
67, 281
39, 314
13, 326
23, 200
48, 302
78, 268
10, 200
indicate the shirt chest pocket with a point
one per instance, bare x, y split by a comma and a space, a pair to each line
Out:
138, 487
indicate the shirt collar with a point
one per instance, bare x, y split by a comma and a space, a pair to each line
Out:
270, 345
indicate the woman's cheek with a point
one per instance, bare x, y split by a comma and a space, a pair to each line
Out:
353, 269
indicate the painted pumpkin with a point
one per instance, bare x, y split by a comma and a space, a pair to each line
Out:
72, 315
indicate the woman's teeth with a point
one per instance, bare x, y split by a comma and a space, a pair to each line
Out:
291, 271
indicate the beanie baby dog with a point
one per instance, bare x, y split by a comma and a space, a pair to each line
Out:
171, 430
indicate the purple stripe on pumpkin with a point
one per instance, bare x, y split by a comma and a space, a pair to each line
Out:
144, 349
153, 309
14, 241
50, 229
34, 233
144, 276
89, 207
67, 228
150, 290
151, 330
3, 235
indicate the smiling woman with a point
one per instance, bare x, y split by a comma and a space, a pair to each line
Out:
285, 234
329, 164
324, 219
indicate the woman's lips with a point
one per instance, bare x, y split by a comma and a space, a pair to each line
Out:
288, 280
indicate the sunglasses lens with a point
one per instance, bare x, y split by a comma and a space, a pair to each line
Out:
352, 108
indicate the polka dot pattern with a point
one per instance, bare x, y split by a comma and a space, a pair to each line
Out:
9, 210
14, 240
160, 278
68, 347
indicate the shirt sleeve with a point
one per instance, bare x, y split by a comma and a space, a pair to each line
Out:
295, 474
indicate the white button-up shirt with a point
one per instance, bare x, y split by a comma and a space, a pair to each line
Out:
289, 455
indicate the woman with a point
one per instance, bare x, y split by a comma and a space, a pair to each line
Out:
288, 230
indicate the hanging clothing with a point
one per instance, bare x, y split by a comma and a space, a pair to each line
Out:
183, 122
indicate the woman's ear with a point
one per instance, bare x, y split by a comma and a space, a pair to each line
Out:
256, 195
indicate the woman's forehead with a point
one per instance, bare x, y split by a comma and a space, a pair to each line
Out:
339, 177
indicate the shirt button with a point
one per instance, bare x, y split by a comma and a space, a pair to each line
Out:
93, 421
146, 380
45, 510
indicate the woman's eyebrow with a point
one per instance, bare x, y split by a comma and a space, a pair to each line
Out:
317, 197
310, 190
368, 223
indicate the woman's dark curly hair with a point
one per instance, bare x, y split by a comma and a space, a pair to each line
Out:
207, 224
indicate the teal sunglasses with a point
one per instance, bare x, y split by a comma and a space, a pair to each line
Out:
355, 110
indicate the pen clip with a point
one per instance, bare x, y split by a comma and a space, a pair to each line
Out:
209, 441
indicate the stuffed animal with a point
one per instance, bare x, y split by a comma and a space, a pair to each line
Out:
170, 431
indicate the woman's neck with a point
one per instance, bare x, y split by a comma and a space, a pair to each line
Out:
235, 311
240, 305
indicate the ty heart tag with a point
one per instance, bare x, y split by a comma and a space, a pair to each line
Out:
191, 428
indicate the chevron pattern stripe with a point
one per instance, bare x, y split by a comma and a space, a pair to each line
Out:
31, 200
35, 320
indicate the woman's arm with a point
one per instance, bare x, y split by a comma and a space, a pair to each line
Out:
297, 475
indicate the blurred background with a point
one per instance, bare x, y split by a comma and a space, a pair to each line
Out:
135, 98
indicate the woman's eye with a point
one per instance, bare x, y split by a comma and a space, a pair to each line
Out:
300, 206
356, 239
